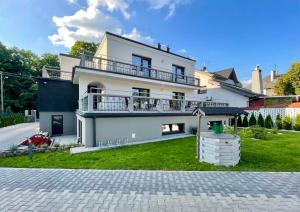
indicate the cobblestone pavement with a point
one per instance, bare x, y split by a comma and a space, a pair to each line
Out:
104, 190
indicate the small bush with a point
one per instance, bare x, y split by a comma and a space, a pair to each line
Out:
258, 132
246, 133
252, 120
44, 146
13, 148
239, 122
268, 122
297, 123
274, 131
261, 121
57, 144
287, 123
245, 121
278, 122
228, 130
7, 119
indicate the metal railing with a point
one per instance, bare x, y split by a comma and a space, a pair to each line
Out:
134, 70
56, 73
97, 102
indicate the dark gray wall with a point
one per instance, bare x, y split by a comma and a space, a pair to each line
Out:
57, 95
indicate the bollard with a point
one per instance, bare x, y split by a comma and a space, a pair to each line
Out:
30, 149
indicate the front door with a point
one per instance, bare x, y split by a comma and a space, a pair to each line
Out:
57, 125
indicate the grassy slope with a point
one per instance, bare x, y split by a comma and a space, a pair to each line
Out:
277, 153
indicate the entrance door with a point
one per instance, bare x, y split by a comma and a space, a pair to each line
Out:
57, 125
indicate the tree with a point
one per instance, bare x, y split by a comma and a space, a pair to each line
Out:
289, 83
297, 123
252, 120
287, 123
268, 122
260, 120
239, 122
82, 47
278, 122
245, 121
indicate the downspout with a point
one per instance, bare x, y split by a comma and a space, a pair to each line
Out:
94, 131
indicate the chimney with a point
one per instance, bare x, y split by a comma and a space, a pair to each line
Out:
168, 48
257, 85
273, 75
159, 46
204, 69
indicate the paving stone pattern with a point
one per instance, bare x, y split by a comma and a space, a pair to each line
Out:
105, 190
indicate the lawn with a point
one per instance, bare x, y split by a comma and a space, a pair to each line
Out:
279, 152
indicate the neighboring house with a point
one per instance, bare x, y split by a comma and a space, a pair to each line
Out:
266, 84
222, 86
128, 92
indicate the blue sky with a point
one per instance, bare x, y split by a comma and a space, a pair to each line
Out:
220, 33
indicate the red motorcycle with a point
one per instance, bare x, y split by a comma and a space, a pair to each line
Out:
38, 140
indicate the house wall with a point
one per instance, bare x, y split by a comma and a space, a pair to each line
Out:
117, 86
122, 50
136, 129
68, 62
69, 122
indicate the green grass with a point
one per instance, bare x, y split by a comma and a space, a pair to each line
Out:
276, 153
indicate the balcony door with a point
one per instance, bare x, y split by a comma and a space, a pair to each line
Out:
143, 65
57, 124
140, 98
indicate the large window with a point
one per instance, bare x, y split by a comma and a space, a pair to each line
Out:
168, 129
178, 71
140, 100
143, 64
178, 95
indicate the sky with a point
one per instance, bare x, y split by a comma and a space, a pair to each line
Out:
217, 33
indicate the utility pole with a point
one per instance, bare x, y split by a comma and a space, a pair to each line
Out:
2, 101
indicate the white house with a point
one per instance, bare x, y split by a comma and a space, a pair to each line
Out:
128, 92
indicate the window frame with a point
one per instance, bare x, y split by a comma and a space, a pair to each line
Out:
175, 69
181, 127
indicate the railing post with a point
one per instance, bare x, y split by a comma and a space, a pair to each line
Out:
183, 103
82, 60
130, 104
160, 107
90, 102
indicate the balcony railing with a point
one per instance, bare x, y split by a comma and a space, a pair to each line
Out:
137, 71
95, 102
56, 73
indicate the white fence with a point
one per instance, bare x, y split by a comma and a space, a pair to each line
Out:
291, 112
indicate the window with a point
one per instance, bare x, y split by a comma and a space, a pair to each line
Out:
143, 64
168, 129
178, 71
178, 95
140, 102
202, 91
140, 92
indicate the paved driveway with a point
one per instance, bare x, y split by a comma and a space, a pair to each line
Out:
15, 134
99, 190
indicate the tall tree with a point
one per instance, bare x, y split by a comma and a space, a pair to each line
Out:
260, 120
289, 83
82, 47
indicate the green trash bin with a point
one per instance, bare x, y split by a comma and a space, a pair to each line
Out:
217, 128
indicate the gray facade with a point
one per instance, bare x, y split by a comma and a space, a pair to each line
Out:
135, 129
69, 122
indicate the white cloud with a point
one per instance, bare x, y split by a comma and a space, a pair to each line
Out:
182, 51
135, 35
72, 1
246, 82
171, 5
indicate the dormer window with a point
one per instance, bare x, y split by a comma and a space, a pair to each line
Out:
178, 71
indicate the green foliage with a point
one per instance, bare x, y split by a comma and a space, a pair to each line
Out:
7, 119
13, 148
278, 122
268, 122
278, 101
245, 121
297, 123
274, 131
289, 83
239, 122
252, 120
287, 123
245, 133
82, 47
260, 120
228, 130
20, 93
258, 132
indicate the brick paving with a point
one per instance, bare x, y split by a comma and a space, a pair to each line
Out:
105, 190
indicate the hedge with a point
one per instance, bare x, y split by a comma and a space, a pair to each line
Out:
11, 119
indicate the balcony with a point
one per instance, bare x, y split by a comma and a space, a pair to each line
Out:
56, 73
112, 66
95, 102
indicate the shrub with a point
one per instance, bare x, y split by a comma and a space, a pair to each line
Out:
13, 148
287, 123
57, 144
252, 120
278, 122
258, 132
7, 119
260, 120
297, 123
245, 121
44, 146
274, 131
245, 133
239, 122
228, 130
268, 122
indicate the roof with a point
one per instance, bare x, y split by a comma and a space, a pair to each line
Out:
267, 83
238, 90
153, 47
228, 73
217, 111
